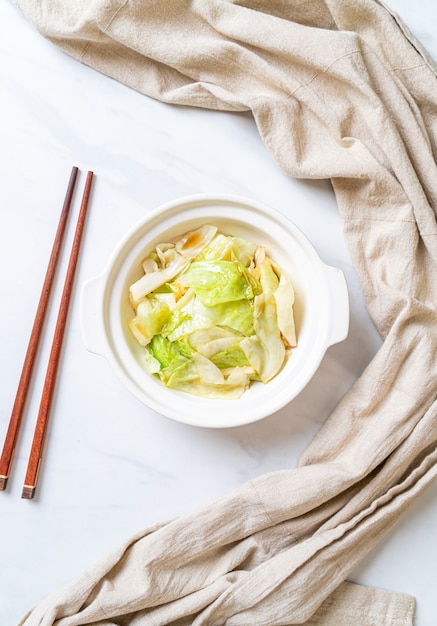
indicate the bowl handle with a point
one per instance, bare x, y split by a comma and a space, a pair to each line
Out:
340, 299
91, 318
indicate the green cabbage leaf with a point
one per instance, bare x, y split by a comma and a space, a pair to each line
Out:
213, 313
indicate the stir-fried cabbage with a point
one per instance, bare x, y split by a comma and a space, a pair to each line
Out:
213, 313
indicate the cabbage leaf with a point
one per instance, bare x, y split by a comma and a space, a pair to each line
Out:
216, 282
213, 313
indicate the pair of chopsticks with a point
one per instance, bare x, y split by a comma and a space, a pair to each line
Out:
34, 462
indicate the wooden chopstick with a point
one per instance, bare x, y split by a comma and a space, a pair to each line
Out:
31, 477
29, 361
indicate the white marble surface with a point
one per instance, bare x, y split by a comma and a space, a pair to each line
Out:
111, 466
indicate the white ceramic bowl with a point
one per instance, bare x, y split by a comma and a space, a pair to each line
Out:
321, 307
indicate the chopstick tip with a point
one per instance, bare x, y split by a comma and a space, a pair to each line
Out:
28, 492
3, 482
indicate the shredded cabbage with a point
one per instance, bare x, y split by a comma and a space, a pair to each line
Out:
213, 313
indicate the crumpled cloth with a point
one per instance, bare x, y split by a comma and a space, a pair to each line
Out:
339, 89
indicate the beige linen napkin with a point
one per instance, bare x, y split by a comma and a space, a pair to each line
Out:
339, 89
